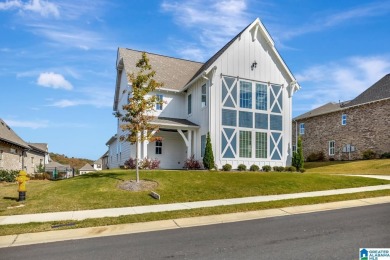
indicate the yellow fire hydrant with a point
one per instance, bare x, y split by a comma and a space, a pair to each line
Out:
22, 178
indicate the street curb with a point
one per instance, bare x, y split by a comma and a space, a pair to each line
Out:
122, 229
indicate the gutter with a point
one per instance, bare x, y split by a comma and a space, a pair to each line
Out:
201, 75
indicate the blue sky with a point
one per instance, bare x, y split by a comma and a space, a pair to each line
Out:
57, 57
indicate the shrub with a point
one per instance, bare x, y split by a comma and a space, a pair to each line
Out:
40, 176
385, 156
316, 157
302, 170
241, 167
150, 164
208, 158
278, 168
192, 164
131, 163
291, 169
227, 167
254, 168
266, 168
8, 175
369, 154
298, 159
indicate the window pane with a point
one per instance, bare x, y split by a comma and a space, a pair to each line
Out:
276, 122
245, 94
246, 119
158, 147
261, 121
245, 144
261, 145
202, 145
204, 95
302, 128
229, 117
189, 108
159, 99
261, 96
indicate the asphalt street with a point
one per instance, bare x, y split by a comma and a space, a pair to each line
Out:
336, 234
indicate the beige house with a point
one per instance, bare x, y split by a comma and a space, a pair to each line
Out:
344, 130
87, 168
16, 154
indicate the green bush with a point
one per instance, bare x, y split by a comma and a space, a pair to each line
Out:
278, 168
385, 156
316, 157
241, 167
266, 168
8, 175
254, 168
302, 170
208, 157
291, 169
369, 154
40, 176
227, 167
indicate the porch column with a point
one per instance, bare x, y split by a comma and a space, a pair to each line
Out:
187, 141
189, 148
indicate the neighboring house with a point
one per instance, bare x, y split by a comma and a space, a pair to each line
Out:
87, 168
59, 171
343, 131
16, 154
105, 161
242, 95
98, 164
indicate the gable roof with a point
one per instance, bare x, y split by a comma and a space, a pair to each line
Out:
380, 90
9, 136
42, 147
55, 165
87, 167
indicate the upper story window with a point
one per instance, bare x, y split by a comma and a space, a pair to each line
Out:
159, 105
302, 128
245, 94
158, 147
204, 95
189, 104
343, 119
261, 96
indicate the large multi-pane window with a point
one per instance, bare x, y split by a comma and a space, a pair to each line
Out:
245, 119
245, 94
189, 104
229, 117
204, 96
261, 96
261, 145
159, 105
246, 144
331, 147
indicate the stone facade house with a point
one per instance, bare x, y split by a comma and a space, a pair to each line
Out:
242, 96
344, 130
16, 154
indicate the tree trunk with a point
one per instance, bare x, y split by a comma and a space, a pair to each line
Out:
136, 159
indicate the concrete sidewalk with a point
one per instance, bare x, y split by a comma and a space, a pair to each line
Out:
115, 212
93, 232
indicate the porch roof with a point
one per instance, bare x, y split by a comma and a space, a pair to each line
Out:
174, 122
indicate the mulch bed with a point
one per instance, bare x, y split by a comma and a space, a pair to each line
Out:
142, 185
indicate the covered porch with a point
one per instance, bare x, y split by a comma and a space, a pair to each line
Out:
178, 142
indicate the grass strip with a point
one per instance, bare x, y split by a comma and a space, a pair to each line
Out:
41, 227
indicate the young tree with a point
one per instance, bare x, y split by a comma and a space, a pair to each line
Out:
139, 110
208, 157
298, 159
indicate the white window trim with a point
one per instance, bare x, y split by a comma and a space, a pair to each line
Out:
302, 128
329, 147
344, 120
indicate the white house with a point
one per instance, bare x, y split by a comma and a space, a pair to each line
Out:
242, 95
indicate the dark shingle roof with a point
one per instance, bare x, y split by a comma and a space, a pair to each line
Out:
167, 121
173, 72
8, 135
87, 167
327, 108
380, 90
42, 147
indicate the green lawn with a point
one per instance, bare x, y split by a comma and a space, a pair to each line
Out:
99, 190
380, 166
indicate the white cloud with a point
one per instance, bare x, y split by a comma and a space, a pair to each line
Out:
53, 80
28, 124
42, 7
341, 80
215, 23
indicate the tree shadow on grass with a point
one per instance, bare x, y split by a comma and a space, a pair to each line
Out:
101, 175
312, 165
10, 198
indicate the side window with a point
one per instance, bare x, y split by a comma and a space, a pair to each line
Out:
302, 128
158, 147
331, 147
202, 145
159, 105
189, 104
204, 96
343, 119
